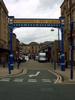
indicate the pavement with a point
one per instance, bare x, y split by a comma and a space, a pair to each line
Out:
66, 75
4, 72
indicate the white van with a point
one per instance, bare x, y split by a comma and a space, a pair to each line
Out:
42, 57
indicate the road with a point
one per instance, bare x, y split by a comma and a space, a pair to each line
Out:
37, 84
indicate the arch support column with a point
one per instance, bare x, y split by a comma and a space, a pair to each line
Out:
11, 56
62, 54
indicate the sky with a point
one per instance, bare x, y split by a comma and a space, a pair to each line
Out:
34, 9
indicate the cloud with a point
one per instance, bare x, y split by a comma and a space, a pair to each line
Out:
33, 8
13, 1
48, 4
36, 34
22, 8
45, 4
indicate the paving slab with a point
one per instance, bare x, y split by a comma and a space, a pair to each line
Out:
4, 72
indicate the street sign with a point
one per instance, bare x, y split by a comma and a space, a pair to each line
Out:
36, 22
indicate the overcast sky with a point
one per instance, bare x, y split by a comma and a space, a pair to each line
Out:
34, 9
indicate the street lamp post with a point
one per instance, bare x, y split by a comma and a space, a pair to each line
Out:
54, 61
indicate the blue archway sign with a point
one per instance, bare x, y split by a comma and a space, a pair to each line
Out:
20, 22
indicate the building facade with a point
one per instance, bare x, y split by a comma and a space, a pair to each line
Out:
17, 48
68, 11
30, 49
3, 31
55, 52
3, 25
34, 49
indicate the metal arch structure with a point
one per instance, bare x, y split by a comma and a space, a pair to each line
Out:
20, 22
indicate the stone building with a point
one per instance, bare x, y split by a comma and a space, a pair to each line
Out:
22, 49
17, 48
68, 11
3, 31
30, 49
34, 48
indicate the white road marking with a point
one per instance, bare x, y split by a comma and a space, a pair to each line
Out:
32, 80
46, 80
33, 75
59, 78
5, 80
18, 80
37, 73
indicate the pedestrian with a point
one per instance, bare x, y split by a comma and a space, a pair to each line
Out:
18, 62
